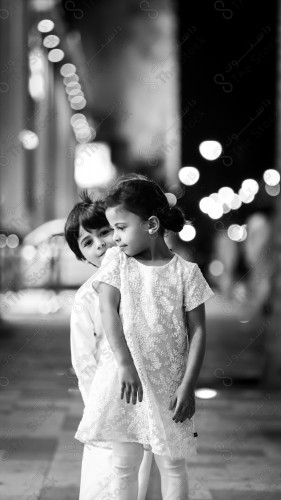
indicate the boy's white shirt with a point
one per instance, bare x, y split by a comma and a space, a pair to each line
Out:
86, 334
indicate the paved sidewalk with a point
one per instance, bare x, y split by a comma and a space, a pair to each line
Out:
40, 407
239, 446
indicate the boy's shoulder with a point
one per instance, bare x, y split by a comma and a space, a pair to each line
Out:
85, 288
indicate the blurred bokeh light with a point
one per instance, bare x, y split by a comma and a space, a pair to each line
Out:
210, 150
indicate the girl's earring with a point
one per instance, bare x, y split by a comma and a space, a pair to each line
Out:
153, 233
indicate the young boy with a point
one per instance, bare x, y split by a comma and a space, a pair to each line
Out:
89, 235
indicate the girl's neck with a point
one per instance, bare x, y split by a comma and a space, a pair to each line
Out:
158, 251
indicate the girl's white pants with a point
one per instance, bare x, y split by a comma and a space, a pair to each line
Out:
126, 461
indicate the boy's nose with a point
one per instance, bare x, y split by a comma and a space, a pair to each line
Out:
100, 244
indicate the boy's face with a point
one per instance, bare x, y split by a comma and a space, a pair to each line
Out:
94, 244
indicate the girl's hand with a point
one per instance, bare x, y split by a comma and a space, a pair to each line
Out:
130, 383
184, 402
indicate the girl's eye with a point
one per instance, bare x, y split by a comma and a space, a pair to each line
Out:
121, 228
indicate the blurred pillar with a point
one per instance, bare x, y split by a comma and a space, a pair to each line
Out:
52, 183
13, 116
151, 93
272, 374
37, 184
132, 62
53, 175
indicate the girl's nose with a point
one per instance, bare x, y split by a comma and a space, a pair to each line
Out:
116, 237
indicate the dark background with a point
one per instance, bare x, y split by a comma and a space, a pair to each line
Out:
229, 97
210, 36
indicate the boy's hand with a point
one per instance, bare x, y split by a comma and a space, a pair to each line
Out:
184, 402
130, 383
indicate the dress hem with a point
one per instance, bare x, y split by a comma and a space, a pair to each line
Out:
107, 444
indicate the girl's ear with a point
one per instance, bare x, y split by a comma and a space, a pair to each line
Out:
153, 224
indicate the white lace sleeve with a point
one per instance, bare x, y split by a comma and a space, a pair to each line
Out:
196, 288
109, 272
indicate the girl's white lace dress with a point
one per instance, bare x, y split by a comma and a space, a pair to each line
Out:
152, 309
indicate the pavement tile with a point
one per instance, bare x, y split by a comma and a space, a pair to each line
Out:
228, 451
71, 423
272, 434
70, 492
22, 479
244, 495
26, 448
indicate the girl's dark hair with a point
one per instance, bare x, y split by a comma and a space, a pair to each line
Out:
90, 215
144, 197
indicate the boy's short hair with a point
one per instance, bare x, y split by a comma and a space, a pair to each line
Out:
90, 214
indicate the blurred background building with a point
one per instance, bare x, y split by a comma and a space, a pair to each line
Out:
94, 90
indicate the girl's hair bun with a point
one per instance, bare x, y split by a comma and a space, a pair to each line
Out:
175, 219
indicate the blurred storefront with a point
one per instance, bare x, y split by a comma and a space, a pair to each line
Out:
38, 137
73, 120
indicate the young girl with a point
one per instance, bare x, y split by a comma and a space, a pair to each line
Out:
151, 304
89, 235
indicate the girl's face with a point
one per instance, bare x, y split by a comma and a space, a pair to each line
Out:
94, 244
130, 231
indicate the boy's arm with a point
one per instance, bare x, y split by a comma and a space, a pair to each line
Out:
83, 346
109, 299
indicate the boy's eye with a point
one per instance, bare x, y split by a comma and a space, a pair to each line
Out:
87, 243
106, 231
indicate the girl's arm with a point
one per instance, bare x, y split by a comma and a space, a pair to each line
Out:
109, 300
196, 325
184, 398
